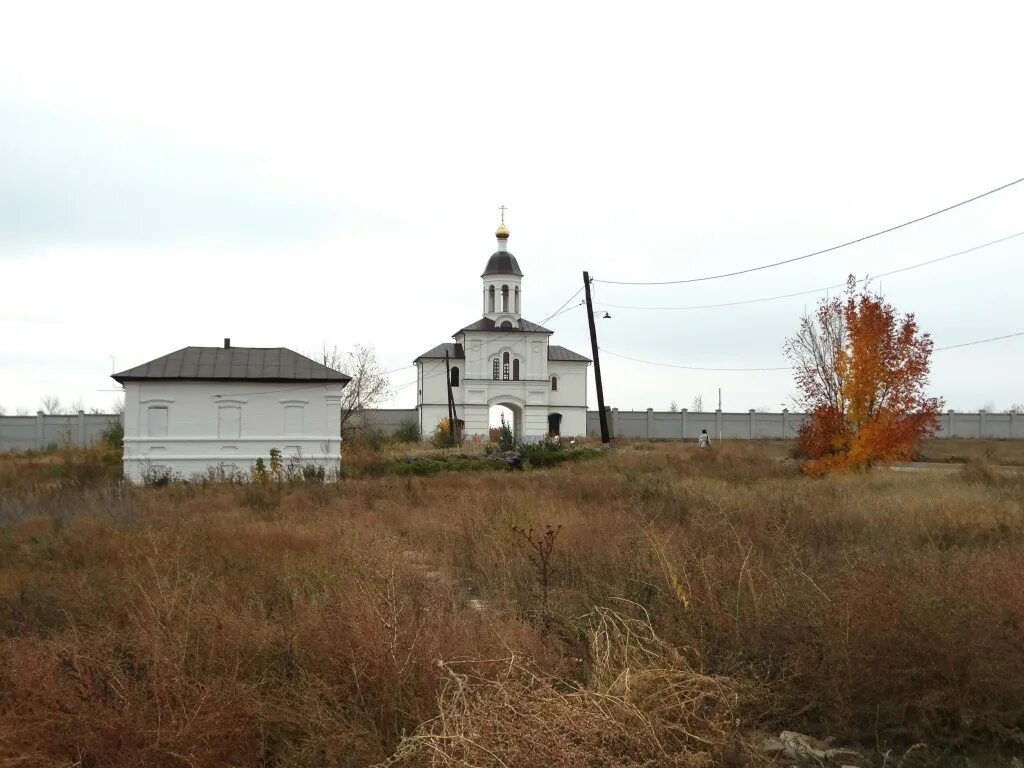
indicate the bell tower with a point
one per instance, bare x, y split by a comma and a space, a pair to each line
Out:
502, 279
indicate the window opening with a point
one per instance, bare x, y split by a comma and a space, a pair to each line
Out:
455, 377
229, 421
515, 369
504, 367
157, 421
494, 369
554, 383
293, 420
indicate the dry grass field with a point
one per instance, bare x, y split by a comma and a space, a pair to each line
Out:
683, 606
958, 450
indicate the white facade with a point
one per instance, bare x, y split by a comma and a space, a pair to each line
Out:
504, 360
188, 426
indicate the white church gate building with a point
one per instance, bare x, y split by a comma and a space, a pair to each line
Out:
503, 359
225, 407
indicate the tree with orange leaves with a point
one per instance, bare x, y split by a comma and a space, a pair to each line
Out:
861, 371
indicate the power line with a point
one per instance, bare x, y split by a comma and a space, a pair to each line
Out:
816, 253
559, 310
980, 341
690, 367
278, 391
826, 287
562, 309
788, 367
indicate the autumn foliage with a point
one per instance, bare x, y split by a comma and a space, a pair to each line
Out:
861, 370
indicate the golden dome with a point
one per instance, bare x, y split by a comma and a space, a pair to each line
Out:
502, 233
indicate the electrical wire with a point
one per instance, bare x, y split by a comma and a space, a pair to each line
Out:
277, 391
816, 253
562, 309
979, 341
826, 287
689, 367
788, 367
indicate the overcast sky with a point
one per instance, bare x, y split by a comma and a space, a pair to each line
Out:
174, 174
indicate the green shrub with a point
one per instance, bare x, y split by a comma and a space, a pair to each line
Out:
113, 435
407, 432
506, 440
550, 454
443, 437
158, 476
442, 463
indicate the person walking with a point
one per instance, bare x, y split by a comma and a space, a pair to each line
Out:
703, 440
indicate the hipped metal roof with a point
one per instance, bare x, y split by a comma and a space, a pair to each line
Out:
502, 263
235, 364
486, 324
456, 352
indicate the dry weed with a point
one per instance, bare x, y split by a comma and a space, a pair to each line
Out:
642, 705
185, 626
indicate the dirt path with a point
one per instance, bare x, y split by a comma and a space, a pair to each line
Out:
935, 466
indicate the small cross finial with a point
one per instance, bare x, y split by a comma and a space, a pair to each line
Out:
502, 208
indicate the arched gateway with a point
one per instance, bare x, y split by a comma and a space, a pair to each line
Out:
504, 359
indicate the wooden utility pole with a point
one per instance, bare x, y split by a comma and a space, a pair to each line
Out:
456, 432
605, 438
451, 409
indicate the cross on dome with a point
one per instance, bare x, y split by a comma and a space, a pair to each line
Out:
502, 232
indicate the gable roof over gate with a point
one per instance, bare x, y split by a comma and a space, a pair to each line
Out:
486, 324
456, 352
563, 355
233, 363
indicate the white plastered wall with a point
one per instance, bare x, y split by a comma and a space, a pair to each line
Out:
228, 424
531, 397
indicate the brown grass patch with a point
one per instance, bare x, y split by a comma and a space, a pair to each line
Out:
695, 599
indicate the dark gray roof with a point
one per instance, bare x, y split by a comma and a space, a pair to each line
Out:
486, 324
454, 351
233, 363
561, 354
502, 263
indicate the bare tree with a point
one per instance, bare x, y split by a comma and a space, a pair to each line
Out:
51, 405
814, 352
369, 385
3, 411
673, 407
76, 406
21, 411
1017, 409
698, 403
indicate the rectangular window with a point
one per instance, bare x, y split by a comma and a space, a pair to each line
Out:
504, 373
157, 424
229, 422
293, 419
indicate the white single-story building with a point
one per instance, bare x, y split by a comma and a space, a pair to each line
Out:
504, 359
225, 407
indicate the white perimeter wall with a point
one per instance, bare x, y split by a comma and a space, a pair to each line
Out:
686, 425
